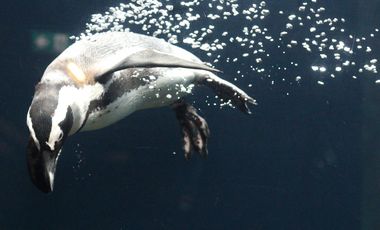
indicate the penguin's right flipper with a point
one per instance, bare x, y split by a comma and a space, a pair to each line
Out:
149, 58
195, 130
228, 92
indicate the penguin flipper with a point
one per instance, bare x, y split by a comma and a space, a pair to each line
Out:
194, 128
149, 58
229, 92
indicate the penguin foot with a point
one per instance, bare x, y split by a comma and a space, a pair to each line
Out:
195, 131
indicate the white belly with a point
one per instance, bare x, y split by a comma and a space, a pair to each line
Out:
170, 86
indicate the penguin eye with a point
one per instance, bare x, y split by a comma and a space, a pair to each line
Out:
60, 136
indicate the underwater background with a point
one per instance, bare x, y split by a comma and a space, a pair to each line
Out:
308, 158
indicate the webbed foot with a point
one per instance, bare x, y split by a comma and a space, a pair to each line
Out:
194, 128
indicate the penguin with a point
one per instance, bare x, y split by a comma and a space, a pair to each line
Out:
99, 80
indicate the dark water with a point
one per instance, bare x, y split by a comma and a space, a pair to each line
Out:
304, 161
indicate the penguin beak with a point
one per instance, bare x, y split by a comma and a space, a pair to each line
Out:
42, 164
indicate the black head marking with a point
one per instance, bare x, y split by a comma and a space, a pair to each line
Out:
66, 125
42, 109
42, 157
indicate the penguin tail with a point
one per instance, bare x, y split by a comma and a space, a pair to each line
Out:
229, 93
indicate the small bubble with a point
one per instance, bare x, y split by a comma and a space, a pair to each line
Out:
321, 83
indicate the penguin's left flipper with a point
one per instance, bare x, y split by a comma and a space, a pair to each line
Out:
149, 58
195, 130
228, 92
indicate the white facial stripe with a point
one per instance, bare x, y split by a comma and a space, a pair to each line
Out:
58, 117
31, 130
79, 99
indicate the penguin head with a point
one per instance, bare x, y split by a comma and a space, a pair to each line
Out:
49, 123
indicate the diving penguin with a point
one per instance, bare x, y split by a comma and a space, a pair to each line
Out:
98, 81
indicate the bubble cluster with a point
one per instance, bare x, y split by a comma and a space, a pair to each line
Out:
322, 34
80, 162
306, 42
